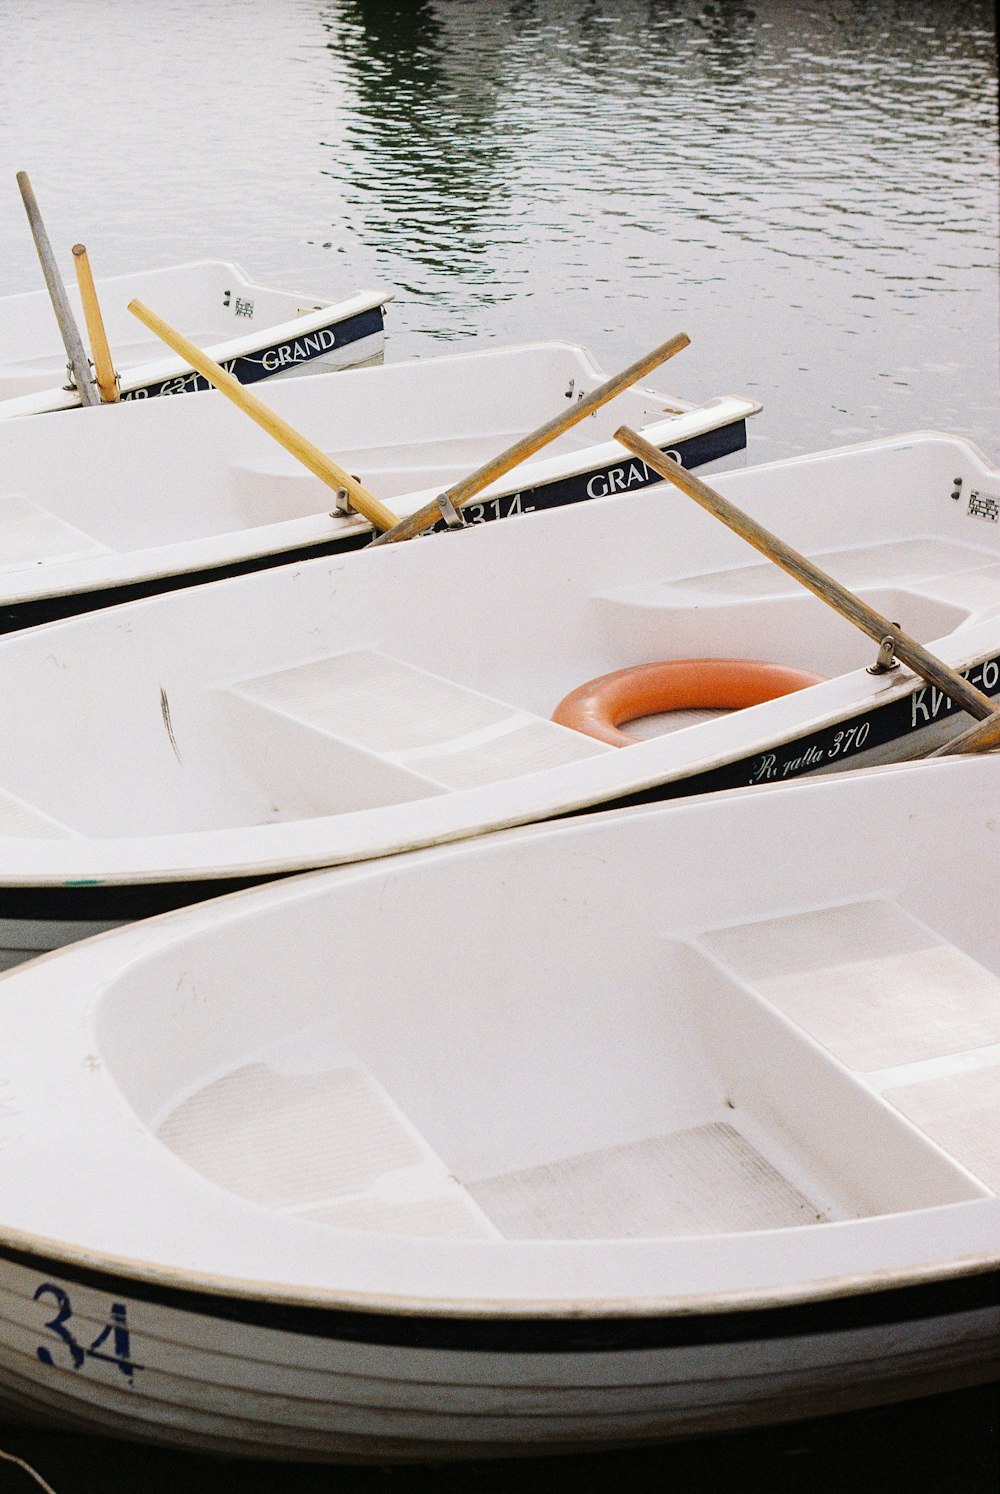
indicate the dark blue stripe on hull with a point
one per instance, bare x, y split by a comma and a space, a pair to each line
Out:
628, 476
18, 615
74, 604
250, 368
87, 902
893, 1307
831, 746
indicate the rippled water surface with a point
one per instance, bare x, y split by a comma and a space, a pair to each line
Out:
810, 191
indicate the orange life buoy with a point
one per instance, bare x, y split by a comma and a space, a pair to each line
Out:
600, 706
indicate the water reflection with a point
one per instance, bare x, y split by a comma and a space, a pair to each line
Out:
423, 124
719, 164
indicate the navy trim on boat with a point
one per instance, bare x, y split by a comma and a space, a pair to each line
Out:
89, 902
74, 604
545, 1335
831, 746
291, 352
627, 476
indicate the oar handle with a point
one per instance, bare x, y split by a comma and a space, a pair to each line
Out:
104, 369
468, 487
317, 461
912, 653
68, 330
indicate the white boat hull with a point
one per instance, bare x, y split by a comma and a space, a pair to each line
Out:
152, 496
38, 920
222, 1381
254, 331
634, 1146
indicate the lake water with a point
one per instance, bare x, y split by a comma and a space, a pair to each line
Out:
810, 192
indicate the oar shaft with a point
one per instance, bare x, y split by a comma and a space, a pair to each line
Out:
498, 466
68, 330
317, 461
983, 737
107, 381
912, 653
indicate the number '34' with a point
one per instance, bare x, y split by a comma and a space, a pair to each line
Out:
115, 1335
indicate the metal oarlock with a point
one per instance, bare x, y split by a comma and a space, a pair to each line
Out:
450, 513
886, 660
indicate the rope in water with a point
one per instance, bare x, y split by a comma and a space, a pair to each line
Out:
7, 1457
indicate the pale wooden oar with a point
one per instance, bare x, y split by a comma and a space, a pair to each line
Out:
68, 330
321, 465
461, 492
982, 737
891, 638
104, 368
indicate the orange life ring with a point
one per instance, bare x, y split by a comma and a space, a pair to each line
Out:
600, 706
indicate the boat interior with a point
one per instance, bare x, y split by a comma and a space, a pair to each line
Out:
210, 712
208, 470
209, 301
425, 454
655, 1071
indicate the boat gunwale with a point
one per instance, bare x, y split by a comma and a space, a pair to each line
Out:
107, 1270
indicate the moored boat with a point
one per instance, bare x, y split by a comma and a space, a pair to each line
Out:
132, 499
667, 1121
350, 707
256, 331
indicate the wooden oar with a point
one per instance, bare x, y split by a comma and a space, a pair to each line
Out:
982, 737
107, 379
68, 330
461, 492
891, 638
322, 466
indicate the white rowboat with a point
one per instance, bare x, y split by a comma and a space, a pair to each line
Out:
132, 499
359, 705
257, 332
669, 1121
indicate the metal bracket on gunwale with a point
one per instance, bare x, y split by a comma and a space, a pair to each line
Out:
886, 660
449, 512
342, 505
71, 386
